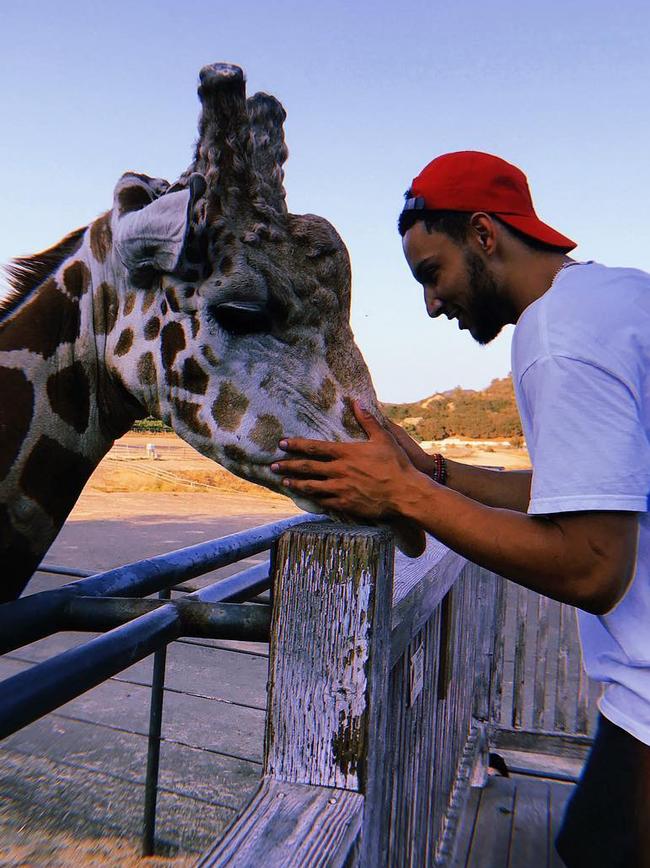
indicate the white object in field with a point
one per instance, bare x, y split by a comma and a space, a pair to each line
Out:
151, 451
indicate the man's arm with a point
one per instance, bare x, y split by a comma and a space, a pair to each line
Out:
585, 559
502, 489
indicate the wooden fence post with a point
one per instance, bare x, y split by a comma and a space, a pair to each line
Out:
329, 664
327, 704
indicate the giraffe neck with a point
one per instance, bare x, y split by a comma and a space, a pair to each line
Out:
60, 410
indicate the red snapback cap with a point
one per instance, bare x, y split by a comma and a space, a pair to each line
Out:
474, 181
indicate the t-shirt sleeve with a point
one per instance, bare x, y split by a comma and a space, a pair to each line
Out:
588, 445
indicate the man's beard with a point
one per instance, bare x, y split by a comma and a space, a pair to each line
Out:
487, 308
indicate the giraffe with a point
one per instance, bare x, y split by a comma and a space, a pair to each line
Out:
204, 303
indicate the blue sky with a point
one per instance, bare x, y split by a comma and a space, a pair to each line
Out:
373, 91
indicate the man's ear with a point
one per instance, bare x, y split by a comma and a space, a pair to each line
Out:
482, 226
150, 229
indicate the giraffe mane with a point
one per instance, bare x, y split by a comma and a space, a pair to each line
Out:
26, 273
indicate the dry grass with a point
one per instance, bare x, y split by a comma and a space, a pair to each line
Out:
179, 468
61, 850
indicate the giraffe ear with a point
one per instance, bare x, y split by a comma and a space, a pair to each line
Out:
153, 237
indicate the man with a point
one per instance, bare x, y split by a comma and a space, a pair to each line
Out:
577, 528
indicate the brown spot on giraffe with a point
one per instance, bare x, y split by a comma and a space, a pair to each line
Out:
147, 370
195, 325
172, 300
163, 307
76, 278
148, 299
133, 198
18, 559
16, 410
172, 342
235, 453
325, 397
348, 419
152, 328
53, 476
229, 407
129, 302
267, 432
48, 320
194, 377
124, 342
101, 237
188, 412
106, 309
68, 391
210, 356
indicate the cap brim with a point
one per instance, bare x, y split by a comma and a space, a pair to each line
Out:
534, 228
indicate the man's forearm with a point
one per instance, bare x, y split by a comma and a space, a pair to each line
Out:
533, 551
508, 489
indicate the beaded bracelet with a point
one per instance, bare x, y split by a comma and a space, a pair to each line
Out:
439, 474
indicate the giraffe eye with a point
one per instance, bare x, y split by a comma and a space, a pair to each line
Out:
241, 317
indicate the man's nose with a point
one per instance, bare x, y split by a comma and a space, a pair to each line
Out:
434, 305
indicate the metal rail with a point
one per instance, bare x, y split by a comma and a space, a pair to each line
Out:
30, 618
110, 601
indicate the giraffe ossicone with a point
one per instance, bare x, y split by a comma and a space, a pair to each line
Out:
204, 303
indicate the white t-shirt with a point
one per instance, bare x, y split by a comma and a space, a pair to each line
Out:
581, 371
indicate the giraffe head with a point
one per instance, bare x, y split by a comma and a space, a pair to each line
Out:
224, 315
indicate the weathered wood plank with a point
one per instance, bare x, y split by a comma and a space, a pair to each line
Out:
410, 572
427, 584
559, 796
541, 657
520, 659
332, 596
496, 681
582, 705
466, 829
530, 826
329, 664
491, 838
562, 711
555, 743
293, 826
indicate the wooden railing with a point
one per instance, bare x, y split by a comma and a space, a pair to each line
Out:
381, 687
389, 678
547, 704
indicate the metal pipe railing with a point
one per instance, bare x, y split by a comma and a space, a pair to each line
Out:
32, 617
150, 624
135, 628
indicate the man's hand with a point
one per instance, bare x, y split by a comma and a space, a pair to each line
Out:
367, 479
420, 459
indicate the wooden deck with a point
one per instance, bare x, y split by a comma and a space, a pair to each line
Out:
512, 823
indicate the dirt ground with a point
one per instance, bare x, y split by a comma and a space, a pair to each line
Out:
171, 466
508, 458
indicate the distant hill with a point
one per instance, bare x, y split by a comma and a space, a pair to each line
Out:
489, 413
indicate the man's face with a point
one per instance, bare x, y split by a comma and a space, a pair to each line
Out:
457, 283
